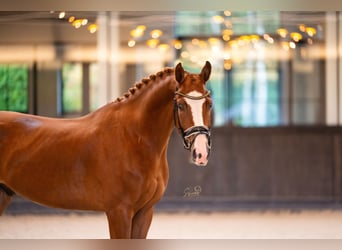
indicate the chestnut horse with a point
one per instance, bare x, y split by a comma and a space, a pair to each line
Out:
113, 159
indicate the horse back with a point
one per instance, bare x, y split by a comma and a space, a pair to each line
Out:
23, 137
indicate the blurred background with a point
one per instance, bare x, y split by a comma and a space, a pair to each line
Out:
276, 86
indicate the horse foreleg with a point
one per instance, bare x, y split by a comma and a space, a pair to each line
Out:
120, 223
141, 223
5, 198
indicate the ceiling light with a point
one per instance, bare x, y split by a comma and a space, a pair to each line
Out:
296, 36
152, 43
218, 19
141, 28
227, 13
61, 15
163, 46
292, 45
77, 23
92, 28
84, 21
282, 32
311, 31
156, 33
71, 19
301, 27
177, 44
131, 43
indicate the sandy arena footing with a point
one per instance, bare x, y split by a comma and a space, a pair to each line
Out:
322, 224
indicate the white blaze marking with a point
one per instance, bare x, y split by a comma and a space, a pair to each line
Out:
196, 108
201, 141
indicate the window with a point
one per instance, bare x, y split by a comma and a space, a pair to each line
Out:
267, 66
79, 88
72, 88
253, 92
14, 87
94, 87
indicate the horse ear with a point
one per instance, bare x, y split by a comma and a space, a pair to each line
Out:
179, 72
206, 70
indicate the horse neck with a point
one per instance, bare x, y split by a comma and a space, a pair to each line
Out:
146, 114
155, 111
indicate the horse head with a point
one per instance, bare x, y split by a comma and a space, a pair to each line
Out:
192, 112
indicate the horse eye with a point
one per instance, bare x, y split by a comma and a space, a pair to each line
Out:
210, 105
181, 106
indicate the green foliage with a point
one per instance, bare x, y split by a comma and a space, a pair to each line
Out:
72, 87
14, 87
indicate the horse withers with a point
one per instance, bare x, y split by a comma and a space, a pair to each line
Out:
113, 159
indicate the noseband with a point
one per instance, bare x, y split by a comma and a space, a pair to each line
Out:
192, 131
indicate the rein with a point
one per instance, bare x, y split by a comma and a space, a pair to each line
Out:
192, 131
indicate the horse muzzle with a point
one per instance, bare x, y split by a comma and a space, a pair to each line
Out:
200, 150
197, 140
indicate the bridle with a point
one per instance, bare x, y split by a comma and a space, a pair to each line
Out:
194, 130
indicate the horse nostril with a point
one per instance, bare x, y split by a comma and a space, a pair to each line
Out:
194, 154
199, 156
